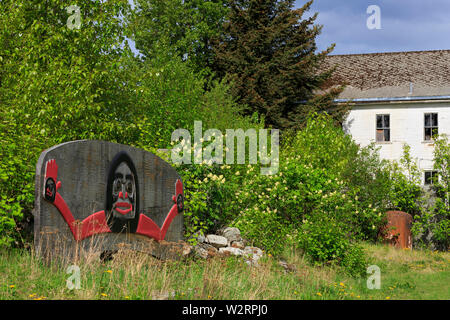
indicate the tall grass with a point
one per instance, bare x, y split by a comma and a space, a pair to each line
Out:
133, 275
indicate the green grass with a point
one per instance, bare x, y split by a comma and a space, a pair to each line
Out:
405, 274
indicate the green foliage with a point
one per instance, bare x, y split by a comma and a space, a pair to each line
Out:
406, 190
59, 84
268, 50
325, 239
56, 84
312, 201
185, 26
432, 225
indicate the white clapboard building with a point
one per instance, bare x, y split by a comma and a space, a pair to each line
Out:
396, 98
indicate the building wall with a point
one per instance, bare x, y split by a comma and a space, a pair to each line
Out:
406, 125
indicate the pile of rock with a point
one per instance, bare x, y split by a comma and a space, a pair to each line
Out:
228, 242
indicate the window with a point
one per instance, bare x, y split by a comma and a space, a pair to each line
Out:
430, 177
431, 125
383, 129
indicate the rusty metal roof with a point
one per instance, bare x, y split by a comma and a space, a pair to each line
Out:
392, 74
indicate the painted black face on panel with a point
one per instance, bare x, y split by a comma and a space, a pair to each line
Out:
122, 195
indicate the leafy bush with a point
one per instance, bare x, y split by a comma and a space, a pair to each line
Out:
313, 201
406, 191
431, 225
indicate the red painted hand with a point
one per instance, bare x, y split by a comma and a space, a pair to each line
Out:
51, 185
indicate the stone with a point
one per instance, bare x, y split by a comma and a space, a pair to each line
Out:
216, 241
96, 195
238, 244
205, 251
200, 237
201, 252
253, 254
228, 251
232, 234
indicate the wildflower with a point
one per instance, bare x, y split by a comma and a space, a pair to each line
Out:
104, 294
108, 271
342, 284
12, 286
32, 295
319, 294
387, 298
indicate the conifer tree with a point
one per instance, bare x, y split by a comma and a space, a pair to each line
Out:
268, 50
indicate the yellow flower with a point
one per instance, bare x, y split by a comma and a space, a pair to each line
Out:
358, 297
12, 286
104, 294
108, 271
387, 298
342, 284
32, 295
319, 294
127, 297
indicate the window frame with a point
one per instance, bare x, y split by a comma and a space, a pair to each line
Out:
429, 181
383, 127
432, 127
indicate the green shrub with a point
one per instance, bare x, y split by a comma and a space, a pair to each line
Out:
325, 240
431, 225
406, 191
273, 210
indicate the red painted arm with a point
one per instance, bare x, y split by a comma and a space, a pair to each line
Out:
62, 207
172, 214
95, 223
148, 227
179, 203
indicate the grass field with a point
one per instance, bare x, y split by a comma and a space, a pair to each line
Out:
405, 274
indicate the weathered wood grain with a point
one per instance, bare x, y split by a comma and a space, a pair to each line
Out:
82, 169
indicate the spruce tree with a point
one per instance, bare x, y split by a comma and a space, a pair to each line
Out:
269, 52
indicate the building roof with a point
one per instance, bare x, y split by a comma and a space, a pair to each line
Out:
391, 75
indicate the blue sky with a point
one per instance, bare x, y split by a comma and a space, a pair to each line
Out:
406, 25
